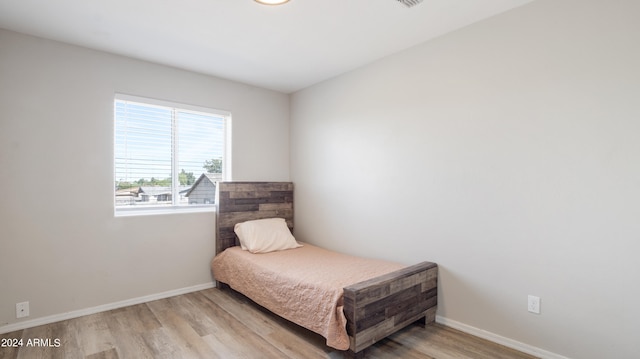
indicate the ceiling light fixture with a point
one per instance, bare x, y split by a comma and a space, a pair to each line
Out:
272, 2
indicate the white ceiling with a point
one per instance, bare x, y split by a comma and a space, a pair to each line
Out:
284, 48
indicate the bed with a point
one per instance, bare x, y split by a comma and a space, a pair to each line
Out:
353, 302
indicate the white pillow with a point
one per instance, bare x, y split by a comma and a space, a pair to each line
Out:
265, 235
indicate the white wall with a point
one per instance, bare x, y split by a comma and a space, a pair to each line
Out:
508, 152
61, 248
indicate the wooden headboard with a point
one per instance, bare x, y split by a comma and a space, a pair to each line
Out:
244, 201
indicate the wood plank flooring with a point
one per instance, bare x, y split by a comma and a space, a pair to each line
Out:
224, 324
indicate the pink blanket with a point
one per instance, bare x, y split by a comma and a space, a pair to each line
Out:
303, 285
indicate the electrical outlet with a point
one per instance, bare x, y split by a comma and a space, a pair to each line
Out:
22, 310
533, 304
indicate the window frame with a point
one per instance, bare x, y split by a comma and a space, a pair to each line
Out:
173, 208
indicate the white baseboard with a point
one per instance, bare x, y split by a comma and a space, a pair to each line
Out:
507, 342
101, 308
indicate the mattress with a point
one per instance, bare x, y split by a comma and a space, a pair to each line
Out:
303, 285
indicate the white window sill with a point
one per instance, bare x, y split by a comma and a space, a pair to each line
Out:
133, 211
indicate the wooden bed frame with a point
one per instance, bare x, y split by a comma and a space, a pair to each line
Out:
374, 308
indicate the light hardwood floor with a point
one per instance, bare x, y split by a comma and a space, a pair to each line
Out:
224, 324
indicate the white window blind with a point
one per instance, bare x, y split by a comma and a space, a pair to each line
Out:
167, 156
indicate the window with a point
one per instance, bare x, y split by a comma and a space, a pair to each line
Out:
167, 157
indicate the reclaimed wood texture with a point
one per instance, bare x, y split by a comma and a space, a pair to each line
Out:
244, 201
381, 306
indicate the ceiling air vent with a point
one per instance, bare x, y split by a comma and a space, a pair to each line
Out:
410, 3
